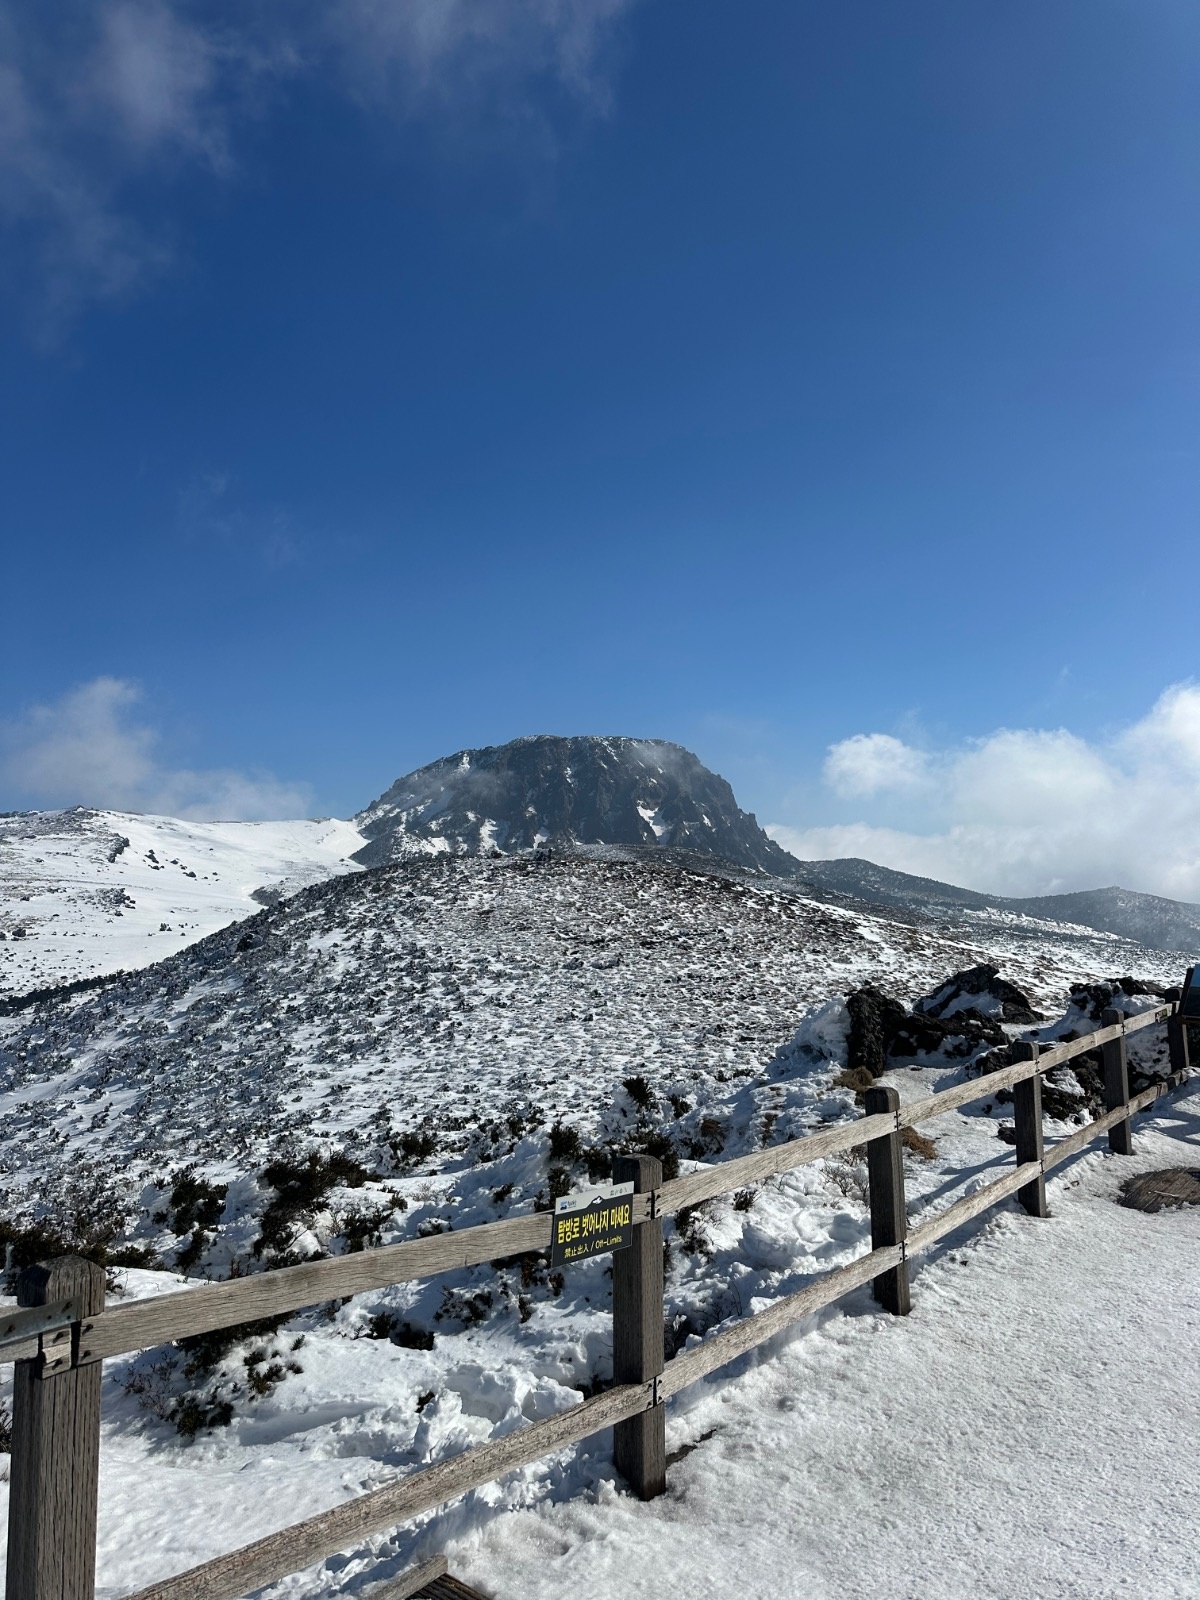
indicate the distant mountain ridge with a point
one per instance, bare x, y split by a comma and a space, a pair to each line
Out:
561, 793
1150, 919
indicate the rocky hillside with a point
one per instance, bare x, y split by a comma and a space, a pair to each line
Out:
448, 996
1148, 919
561, 793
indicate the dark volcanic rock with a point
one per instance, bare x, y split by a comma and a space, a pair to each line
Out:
558, 793
875, 1020
1093, 999
980, 992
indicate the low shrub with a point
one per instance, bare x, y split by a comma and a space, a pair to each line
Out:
411, 1148
565, 1144
300, 1187
195, 1202
639, 1091
918, 1144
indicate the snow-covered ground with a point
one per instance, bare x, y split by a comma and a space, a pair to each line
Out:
432, 1022
86, 892
1027, 1430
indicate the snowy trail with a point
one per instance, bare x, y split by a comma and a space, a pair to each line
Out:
1028, 1431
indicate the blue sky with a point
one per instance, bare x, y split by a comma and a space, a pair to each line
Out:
380, 379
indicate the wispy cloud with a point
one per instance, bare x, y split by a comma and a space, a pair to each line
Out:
88, 748
209, 514
94, 99
1028, 811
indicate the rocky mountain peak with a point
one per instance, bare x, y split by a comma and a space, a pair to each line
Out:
564, 792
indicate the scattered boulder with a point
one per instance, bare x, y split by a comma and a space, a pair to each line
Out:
1091, 1000
980, 991
875, 1020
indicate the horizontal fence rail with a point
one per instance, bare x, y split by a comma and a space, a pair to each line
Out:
61, 1338
145, 1323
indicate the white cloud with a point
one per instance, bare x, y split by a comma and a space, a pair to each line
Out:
93, 98
86, 749
1029, 811
873, 762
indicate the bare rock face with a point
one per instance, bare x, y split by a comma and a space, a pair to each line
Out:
549, 792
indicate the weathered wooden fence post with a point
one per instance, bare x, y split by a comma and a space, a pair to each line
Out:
1027, 1115
1177, 1032
55, 1445
640, 1443
1116, 1084
885, 1191
1177, 1042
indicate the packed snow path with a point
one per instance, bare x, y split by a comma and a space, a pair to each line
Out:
1028, 1430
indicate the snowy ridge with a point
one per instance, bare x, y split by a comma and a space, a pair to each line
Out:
86, 892
1145, 918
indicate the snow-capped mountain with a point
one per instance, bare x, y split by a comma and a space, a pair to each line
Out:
562, 793
87, 892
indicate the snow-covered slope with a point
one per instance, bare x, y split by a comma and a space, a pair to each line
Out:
459, 1030
446, 996
1145, 918
85, 892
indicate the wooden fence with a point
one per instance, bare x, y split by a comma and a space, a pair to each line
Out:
63, 1331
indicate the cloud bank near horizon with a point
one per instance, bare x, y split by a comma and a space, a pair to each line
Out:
1026, 811
86, 748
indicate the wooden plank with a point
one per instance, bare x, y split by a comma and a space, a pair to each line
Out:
1051, 1056
1147, 1097
971, 1205
28, 1321
1149, 1019
303, 1543
407, 1583
1027, 1109
1066, 1147
1063, 1149
885, 1191
964, 1093
640, 1442
448, 1588
1116, 1087
719, 1349
727, 1175
20, 1350
266, 1294
55, 1448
